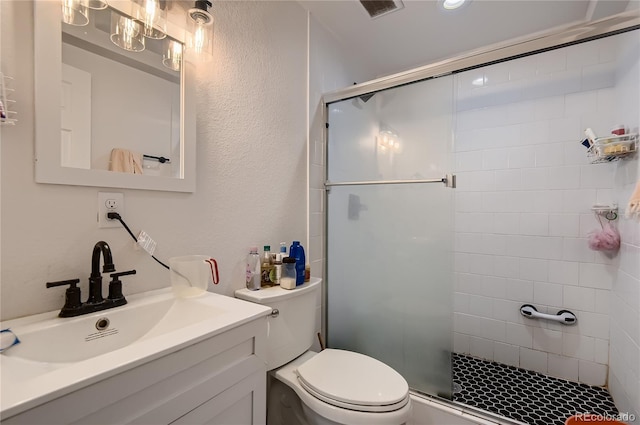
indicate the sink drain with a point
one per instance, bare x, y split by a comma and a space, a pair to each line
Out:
102, 324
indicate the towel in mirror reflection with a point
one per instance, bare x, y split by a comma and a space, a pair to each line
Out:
125, 161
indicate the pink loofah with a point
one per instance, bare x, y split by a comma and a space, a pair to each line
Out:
607, 239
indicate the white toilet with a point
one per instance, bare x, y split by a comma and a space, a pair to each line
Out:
333, 386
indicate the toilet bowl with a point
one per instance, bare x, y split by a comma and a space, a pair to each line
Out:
336, 398
330, 387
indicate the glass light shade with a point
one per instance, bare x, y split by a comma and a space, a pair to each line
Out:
126, 33
96, 4
199, 35
74, 12
153, 18
172, 56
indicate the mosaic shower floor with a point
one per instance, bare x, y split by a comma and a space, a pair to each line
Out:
524, 395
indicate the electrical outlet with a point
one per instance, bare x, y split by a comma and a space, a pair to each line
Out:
109, 202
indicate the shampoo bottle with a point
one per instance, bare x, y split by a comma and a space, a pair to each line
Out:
276, 271
297, 251
265, 267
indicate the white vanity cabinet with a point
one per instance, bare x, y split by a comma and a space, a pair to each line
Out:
218, 380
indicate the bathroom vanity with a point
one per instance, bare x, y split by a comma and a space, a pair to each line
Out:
161, 360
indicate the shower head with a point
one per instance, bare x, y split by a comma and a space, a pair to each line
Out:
365, 97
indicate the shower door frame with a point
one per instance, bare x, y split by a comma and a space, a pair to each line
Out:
500, 52
495, 53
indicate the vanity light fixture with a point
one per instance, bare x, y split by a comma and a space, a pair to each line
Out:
74, 12
126, 33
148, 19
200, 31
153, 15
96, 4
172, 56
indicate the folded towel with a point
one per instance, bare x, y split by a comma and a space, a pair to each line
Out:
633, 208
125, 161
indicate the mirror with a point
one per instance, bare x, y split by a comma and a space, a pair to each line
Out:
106, 116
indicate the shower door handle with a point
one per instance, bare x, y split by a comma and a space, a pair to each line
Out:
449, 180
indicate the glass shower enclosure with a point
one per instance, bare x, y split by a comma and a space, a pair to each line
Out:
389, 229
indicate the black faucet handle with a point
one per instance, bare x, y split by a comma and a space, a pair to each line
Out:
115, 287
72, 300
71, 282
115, 276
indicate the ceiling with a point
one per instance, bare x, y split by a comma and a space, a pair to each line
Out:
423, 32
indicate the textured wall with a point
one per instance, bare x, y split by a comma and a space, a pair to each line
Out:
251, 158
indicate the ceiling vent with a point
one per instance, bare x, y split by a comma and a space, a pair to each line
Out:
377, 8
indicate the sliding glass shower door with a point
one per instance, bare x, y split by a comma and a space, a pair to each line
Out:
389, 230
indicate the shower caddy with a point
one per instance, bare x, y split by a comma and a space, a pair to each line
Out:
7, 115
612, 148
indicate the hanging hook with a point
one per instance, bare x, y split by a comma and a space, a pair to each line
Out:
610, 212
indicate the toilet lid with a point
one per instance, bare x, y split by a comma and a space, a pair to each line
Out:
353, 380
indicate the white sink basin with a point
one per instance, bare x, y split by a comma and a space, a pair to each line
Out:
59, 355
56, 340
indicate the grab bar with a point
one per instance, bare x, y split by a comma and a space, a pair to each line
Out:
449, 180
563, 316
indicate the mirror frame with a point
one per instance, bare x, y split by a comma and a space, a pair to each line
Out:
48, 77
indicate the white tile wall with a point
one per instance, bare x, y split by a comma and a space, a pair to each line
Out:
523, 213
624, 350
522, 208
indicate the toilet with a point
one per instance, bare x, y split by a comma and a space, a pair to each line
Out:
325, 388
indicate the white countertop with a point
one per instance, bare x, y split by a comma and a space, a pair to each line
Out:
26, 383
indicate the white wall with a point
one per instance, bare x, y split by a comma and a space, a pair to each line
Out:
251, 158
523, 209
145, 123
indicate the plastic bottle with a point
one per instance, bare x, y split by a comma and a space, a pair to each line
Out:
283, 249
288, 280
276, 271
297, 251
253, 269
265, 266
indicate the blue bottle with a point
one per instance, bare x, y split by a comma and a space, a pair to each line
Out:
297, 251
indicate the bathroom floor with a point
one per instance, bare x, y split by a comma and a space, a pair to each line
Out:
524, 395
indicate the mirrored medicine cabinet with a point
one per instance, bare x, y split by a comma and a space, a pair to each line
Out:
92, 97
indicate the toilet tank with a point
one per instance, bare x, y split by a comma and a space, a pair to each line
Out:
291, 331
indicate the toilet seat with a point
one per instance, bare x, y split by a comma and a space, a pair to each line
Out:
353, 381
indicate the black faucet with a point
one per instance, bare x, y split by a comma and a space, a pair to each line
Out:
95, 280
73, 305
